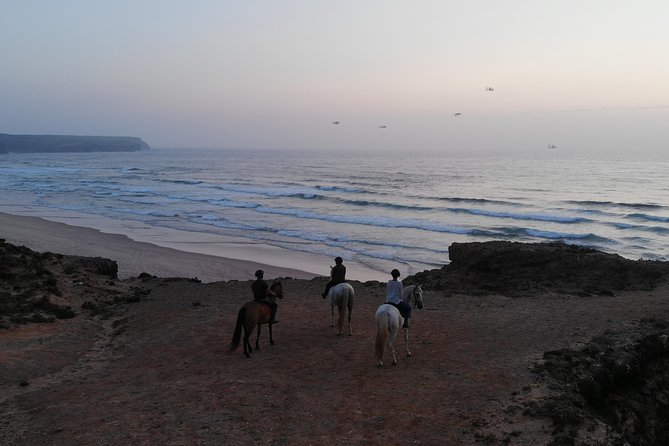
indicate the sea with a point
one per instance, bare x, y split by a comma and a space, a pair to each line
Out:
377, 209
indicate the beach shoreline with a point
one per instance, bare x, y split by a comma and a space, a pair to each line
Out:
163, 252
135, 257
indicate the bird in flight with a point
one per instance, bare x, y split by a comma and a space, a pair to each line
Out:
551, 146
335, 122
383, 126
457, 114
489, 89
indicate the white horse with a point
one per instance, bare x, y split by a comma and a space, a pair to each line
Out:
341, 296
389, 320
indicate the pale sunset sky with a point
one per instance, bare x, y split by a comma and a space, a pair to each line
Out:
586, 75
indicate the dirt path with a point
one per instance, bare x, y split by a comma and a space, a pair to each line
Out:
160, 374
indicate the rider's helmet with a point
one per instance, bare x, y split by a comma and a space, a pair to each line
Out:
395, 273
338, 260
260, 273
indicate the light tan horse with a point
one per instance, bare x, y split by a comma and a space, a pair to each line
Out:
341, 296
389, 320
253, 314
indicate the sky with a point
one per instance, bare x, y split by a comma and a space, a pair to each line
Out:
586, 75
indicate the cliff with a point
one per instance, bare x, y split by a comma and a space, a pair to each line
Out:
68, 143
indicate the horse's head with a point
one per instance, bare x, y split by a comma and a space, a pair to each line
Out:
277, 289
418, 296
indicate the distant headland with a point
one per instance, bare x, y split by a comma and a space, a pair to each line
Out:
69, 143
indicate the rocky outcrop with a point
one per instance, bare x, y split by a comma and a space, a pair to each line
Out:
517, 269
68, 143
32, 284
616, 385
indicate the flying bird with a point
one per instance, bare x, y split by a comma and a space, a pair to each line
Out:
383, 126
489, 89
457, 114
551, 146
335, 122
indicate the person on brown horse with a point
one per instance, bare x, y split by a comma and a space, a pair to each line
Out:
337, 275
261, 292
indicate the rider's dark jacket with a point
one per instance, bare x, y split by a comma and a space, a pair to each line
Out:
259, 288
338, 274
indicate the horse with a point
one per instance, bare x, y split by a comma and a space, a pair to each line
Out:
389, 320
341, 296
253, 314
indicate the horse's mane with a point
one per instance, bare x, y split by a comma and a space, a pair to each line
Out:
277, 288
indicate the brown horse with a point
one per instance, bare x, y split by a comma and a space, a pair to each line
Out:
253, 314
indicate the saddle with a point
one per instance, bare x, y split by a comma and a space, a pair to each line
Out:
266, 309
399, 308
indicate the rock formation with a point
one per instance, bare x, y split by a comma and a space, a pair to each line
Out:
67, 143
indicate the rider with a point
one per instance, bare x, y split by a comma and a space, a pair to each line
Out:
261, 292
394, 290
337, 275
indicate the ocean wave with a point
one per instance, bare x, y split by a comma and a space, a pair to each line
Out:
647, 217
384, 204
146, 212
215, 220
551, 235
518, 216
655, 229
168, 180
387, 222
615, 204
470, 200
300, 192
344, 241
350, 190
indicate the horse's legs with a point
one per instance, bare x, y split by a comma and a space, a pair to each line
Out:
391, 344
350, 330
271, 341
258, 338
406, 341
331, 315
247, 345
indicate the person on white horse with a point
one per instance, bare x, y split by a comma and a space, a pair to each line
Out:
337, 275
394, 290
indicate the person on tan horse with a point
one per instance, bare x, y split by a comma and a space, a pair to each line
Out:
337, 275
261, 292
394, 290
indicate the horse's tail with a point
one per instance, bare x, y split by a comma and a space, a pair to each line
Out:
343, 304
237, 335
382, 333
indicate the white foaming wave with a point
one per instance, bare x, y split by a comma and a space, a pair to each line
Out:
564, 236
343, 241
387, 222
520, 216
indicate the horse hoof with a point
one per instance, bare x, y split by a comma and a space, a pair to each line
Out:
394, 362
408, 354
379, 364
271, 342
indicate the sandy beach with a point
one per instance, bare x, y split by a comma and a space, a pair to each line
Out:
163, 253
135, 257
